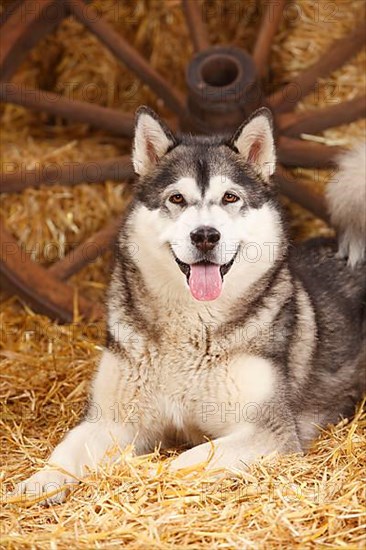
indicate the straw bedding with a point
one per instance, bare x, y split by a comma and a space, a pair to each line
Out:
317, 500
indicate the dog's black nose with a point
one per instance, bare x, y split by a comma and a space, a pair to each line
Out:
205, 238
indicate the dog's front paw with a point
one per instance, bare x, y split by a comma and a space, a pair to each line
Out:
201, 456
48, 486
221, 454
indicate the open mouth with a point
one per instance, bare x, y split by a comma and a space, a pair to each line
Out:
205, 278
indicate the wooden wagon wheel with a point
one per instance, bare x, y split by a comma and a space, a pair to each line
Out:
224, 86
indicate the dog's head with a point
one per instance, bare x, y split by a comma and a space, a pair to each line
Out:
204, 211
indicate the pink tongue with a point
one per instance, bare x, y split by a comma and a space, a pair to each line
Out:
205, 281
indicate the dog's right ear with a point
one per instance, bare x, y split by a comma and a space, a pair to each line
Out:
152, 141
254, 142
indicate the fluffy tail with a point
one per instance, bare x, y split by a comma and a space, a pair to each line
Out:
346, 200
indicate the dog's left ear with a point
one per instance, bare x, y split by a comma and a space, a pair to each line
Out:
254, 142
152, 141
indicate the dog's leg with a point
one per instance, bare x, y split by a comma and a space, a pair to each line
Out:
85, 445
239, 449
82, 448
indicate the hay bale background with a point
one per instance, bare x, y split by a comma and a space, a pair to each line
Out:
318, 499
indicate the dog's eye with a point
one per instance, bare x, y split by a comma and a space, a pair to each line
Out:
177, 198
229, 198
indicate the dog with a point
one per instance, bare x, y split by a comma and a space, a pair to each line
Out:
221, 334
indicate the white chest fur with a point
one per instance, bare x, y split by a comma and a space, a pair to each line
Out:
192, 390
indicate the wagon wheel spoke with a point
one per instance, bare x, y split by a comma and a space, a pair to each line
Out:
271, 21
89, 17
196, 25
316, 120
296, 152
79, 111
9, 10
86, 252
301, 193
39, 288
287, 97
26, 24
68, 173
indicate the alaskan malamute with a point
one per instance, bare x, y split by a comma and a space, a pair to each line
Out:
218, 329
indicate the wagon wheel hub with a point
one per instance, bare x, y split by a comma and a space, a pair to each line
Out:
223, 88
